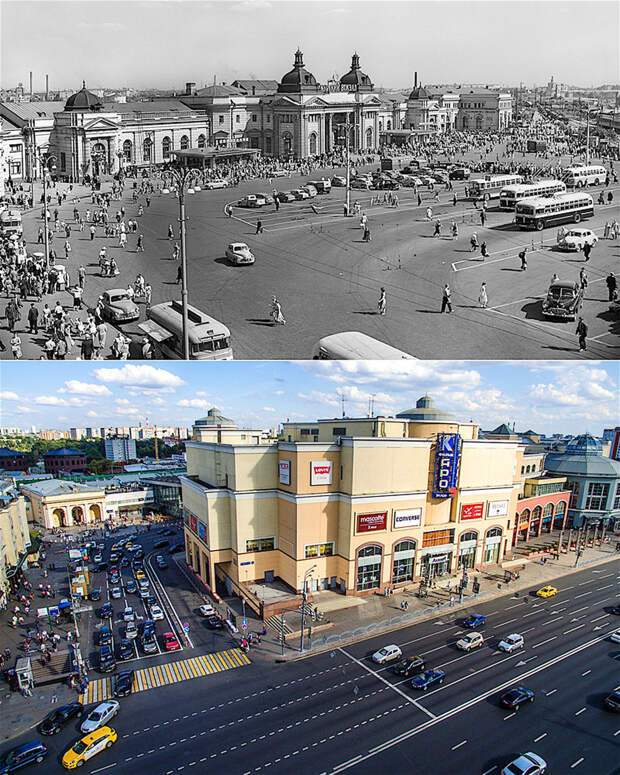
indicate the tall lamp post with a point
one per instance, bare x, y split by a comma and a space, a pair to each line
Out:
346, 127
182, 176
44, 160
303, 605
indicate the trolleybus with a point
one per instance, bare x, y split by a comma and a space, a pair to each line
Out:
510, 195
586, 175
550, 211
490, 186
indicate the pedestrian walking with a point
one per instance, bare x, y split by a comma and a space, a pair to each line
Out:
483, 217
33, 319
382, 305
92, 231
366, 237
587, 249
147, 349
523, 258
16, 347
179, 274
483, 299
446, 301
455, 230
612, 285
276, 312
140, 244
170, 232
81, 276
437, 232
176, 252
473, 241
259, 226
483, 250
582, 333
583, 279
429, 213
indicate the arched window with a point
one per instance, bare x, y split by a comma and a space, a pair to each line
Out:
147, 149
478, 122
548, 511
166, 145
389, 125
527, 470
536, 513
184, 143
202, 141
467, 549
494, 532
560, 509
381, 126
525, 516
403, 566
369, 568
127, 150
369, 138
492, 546
312, 144
471, 535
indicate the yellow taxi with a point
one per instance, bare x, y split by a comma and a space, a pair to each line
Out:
547, 592
89, 746
140, 575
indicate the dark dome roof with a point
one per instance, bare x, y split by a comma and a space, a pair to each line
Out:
425, 411
419, 93
356, 78
83, 100
298, 80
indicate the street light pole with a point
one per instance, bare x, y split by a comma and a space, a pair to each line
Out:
183, 272
303, 607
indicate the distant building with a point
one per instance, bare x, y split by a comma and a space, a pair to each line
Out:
485, 109
10, 460
64, 459
59, 503
14, 537
77, 433
120, 449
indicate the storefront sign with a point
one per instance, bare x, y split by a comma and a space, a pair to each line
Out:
367, 523
285, 471
447, 457
497, 509
321, 472
437, 558
202, 531
407, 518
193, 523
472, 511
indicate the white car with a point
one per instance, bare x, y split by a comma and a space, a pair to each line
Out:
99, 716
575, 239
239, 253
156, 613
511, 643
131, 631
387, 654
211, 184
526, 764
470, 641
98, 558
615, 636
116, 593
128, 614
207, 610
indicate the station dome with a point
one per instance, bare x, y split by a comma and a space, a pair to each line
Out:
583, 457
83, 100
419, 93
426, 411
298, 80
355, 78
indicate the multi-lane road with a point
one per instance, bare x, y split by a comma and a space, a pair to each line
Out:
339, 712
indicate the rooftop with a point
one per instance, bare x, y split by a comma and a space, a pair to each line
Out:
6, 452
50, 487
63, 451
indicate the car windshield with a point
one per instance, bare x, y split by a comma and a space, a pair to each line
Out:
95, 716
562, 293
79, 747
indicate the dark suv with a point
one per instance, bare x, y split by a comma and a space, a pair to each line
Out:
19, 757
107, 663
408, 666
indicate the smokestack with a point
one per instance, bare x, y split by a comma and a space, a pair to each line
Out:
415, 79
47, 86
31, 83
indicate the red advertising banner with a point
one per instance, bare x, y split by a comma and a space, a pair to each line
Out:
472, 511
193, 523
366, 523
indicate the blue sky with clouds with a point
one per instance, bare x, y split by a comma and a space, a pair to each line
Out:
550, 397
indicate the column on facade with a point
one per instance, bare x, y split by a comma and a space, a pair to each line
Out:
328, 134
529, 527
540, 523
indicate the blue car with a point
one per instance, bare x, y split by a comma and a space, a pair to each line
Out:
475, 620
25, 754
428, 678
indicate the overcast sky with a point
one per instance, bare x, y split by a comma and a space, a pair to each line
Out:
549, 397
164, 44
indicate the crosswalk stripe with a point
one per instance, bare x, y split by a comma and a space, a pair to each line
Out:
226, 656
207, 665
160, 676
191, 667
219, 660
168, 676
200, 667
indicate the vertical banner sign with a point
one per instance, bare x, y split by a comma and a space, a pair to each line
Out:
447, 458
615, 446
321, 472
285, 471
193, 523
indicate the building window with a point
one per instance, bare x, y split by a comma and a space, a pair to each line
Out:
15, 149
63, 161
492, 544
616, 505
147, 149
202, 141
548, 511
268, 143
522, 470
127, 150
438, 538
237, 119
319, 550
166, 145
574, 487
254, 117
369, 138
260, 544
184, 143
339, 431
287, 143
312, 144
403, 566
369, 568
268, 119
596, 499
305, 431
220, 119
560, 509
15, 168
467, 550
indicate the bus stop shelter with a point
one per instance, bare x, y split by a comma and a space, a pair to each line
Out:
209, 157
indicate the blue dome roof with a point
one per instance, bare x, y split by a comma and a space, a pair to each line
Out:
583, 457
584, 445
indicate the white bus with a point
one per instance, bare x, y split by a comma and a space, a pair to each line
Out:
209, 340
355, 346
578, 177
550, 211
490, 186
11, 223
510, 195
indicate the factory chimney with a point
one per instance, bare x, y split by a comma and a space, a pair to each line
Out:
47, 87
31, 84
415, 79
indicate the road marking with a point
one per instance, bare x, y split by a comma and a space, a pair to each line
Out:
572, 629
510, 715
542, 643
488, 772
107, 767
549, 621
586, 673
574, 764
580, 711
463, 742
540, 737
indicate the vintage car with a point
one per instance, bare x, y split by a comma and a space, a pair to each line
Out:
251, 200
575, 239
118, 307
212, 184
285, 196
268, 198
239, 253
564, 300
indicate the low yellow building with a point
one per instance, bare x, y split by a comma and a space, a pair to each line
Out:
354, 505
14, 536
60, 503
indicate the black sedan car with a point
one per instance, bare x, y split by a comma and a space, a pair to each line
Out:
612, 701
408, 666
107, 663
57, 719
514, 698
125, 649
105, 612
95, 594
616, 610
124, 683
215, 623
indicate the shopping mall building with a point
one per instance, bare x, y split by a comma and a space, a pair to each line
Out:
351, 504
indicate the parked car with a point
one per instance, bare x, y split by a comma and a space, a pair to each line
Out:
162, 564
129, 614
125, 649
123, 683
615, 636
338, 181
100, 716
428, 678
118, 307
575, 239
215, 623
131, 631
105, 612
148, 627
310, 190
207, 610
107, 663
612, 701
564, 300
105, 636
360, 184
57, 719
116, 593
547, 592
156, 613
459, 173
89, 746
213, 184
387, 654
149, 643
95, 594
249, 201
170, 642
267, 198
472, 640
526, 764
285, 196
409, 666
300, 194
22, 755
131, 586
475, 620
511, 643
237, 253
516, 697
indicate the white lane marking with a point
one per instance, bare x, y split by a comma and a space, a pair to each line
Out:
572, 629
542, 643
579, 712
463, 742
586, 673
548, 694
488, 772
603, 616
510, 715
540, 737
574, 764
107, 767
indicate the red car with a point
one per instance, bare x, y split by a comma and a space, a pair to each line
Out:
170, 642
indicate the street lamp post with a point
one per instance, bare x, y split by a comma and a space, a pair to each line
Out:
347, 128
44, 162
303, 606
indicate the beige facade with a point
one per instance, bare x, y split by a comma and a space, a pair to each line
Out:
14, 536
57, 503
349, 505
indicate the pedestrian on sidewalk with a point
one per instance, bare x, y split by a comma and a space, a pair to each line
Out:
382, 305
446, 303
483, 299
582, 333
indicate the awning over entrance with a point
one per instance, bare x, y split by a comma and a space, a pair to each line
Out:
209, 156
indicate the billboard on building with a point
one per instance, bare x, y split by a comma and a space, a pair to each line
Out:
407, 518
472, 511
367, 523
202, 532
615, 445
193, 523
497, 509
285, 471
447, 458
321, 472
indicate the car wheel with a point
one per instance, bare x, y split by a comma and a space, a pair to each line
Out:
109, 744
577, 217
39, 759
540, 225
56, 731
80, 763
531, 699
440, 681
116, 712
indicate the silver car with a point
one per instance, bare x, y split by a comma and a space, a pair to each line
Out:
99, 716
239, 253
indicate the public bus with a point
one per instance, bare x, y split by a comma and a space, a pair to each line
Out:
549, 211
11, 223
509, 196
581, 176
353, 345
209, 340
490, 186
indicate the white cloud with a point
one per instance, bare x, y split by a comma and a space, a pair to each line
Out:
90, 413
268, 409
8, 395
26, 409
86, 388
128, 410
157, 401
197, 403
122, 401
51, 401
278, 392
200, 393
143, 376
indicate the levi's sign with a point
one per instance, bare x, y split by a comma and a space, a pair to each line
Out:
366, 523
321, 472
447, 458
